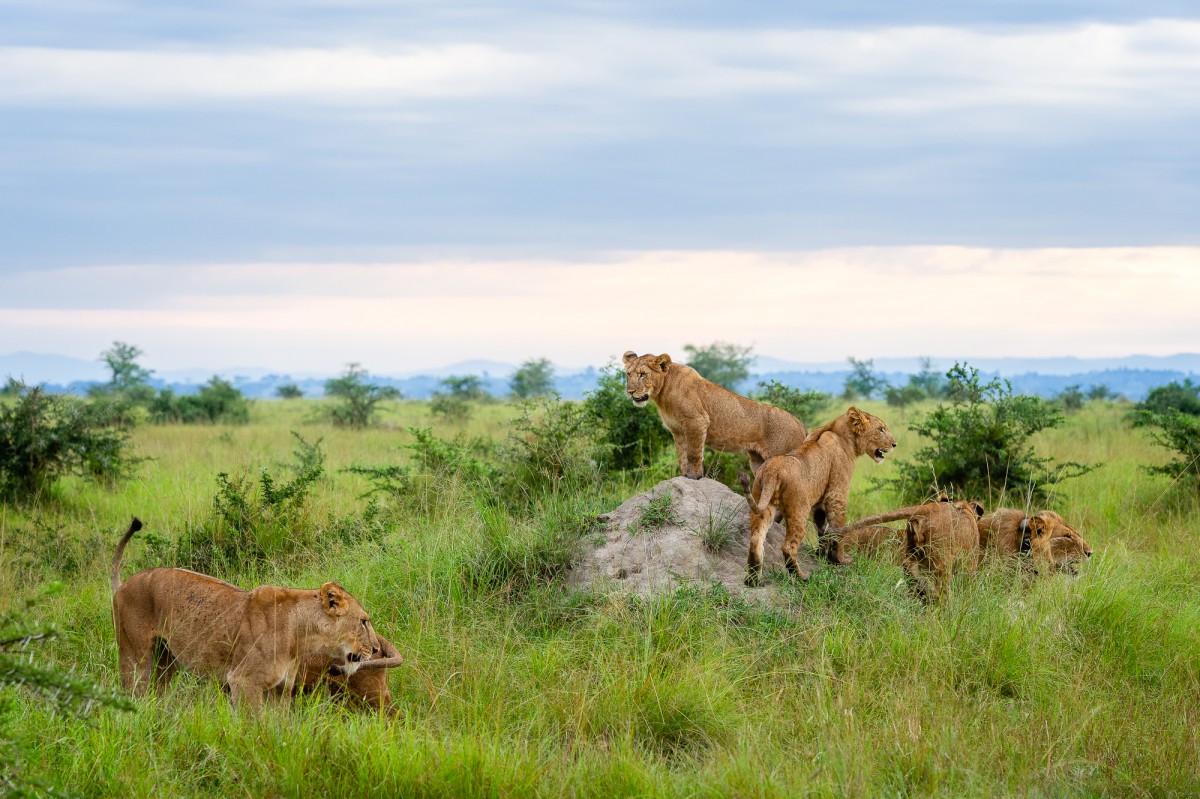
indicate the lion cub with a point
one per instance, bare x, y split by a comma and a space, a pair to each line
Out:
253, 641
698, 412
815, 477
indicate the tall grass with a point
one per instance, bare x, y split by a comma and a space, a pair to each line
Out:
517, 686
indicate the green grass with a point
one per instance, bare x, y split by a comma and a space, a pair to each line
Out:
515, 685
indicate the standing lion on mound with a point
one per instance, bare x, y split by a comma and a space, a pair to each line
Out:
940, 535
254, 641
814, 478
698, 412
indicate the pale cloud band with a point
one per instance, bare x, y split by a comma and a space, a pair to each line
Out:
805, 306
873, 70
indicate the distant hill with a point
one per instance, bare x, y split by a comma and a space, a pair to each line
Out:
1132, 376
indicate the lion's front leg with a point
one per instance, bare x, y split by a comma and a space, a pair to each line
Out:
689, 446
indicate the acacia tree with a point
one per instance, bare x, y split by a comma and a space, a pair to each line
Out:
358, 398
721, 362
863, 382
534, 378
127, 373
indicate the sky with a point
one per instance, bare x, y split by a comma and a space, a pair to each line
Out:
299, 185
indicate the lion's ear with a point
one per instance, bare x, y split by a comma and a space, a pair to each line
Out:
333, 599
978, 508
662, 362
1037, 527
857, 420
629, 357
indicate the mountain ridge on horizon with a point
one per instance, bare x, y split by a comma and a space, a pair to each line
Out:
55, 369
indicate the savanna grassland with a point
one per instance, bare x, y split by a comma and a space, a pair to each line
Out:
515, 685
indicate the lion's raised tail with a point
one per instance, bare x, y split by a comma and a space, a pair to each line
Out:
900, 514
114, 574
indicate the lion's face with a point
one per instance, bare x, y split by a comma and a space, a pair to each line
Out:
873, 436
1055, 543
354, 637
643, 376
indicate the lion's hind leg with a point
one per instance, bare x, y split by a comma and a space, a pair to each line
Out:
760, 522
165, 665
136, 639
796, 520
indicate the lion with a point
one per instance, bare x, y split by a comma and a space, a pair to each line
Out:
699, 412
366, 686
1044, 537
254, 641
814, 478
939, 536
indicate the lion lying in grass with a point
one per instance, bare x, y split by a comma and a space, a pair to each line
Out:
814, 478
254, 642
699, 412
1044, 537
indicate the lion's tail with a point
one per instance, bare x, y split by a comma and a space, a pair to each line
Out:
891, 516
114, 574
765, 495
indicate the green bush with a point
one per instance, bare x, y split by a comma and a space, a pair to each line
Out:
289, 391
807, 406
629, 437
551, 447
358, 400
535, 378
251, 522
450, 407
217, 401
44, 437
1179, 432
467, 387
1070, 399
1172, 415
1183, 397
980, 444
432, 461
724, 364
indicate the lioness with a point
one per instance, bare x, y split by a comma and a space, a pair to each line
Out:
940, 535
367, 685
1044, 537
253, 641
698, 412
815, 478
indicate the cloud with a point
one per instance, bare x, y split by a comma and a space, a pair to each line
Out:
809, 306
897, 71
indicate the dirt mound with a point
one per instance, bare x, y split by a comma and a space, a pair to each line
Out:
679, 531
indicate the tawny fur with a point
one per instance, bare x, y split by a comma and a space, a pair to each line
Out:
252, 641
368, 684
1048, 540
940, 536
813, 479
875, 540
698, 412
